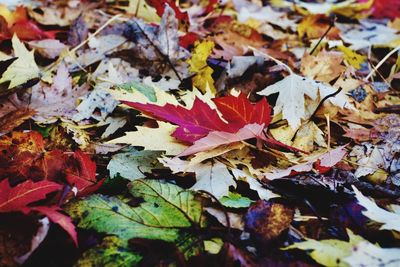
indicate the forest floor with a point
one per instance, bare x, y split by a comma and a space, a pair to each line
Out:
200, 133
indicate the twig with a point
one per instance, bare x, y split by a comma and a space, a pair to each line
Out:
332, 22
389, 109
381, 62
277, 61
324, 99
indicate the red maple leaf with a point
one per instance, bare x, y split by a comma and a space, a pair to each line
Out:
54, 214
81, 173
385, 8
201, 119
193, 123
23, 27
18, 198
24, 157
159, 5
239, 110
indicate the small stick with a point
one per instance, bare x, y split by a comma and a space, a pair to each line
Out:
332, 22
381, 62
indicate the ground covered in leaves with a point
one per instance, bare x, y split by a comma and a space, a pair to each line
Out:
200, 133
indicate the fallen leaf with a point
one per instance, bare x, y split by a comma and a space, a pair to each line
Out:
267, 220
25, 158
65, 222
217, 138
81, 173
23, 69
132, 165
365, 253
322, 162
324, 67
212, 177
201, 119
19, 197
314, 27
50, 48
171, 210
367, 34
111, 249
145, 136
389, 220
292, 90
329, 252
198, 66
57, 100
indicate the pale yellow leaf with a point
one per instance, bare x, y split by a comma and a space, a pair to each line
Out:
154, 139
23, 69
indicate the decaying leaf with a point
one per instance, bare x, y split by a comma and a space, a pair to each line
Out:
267, 220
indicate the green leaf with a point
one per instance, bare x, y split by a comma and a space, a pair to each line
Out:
112, 252
131, 165
23, 69
166, 210
146, 90
235, 200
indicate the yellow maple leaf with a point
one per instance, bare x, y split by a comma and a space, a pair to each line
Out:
198, 65
352, 57
315, 25
24, 68
145, 137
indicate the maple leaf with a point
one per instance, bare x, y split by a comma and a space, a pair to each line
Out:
19, 197
23, 69
292, 90
145, 136
218, 138
389, 220
18, 23
54, 214
58, 100
159, 5
382, 9
355, 252
198, 65
323, 67
26, 158
367, 34
315, 26
193, 124
81, 173
201, 119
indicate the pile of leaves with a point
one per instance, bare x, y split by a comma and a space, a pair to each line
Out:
204, 132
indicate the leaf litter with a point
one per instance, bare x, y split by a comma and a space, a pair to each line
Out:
185, 133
